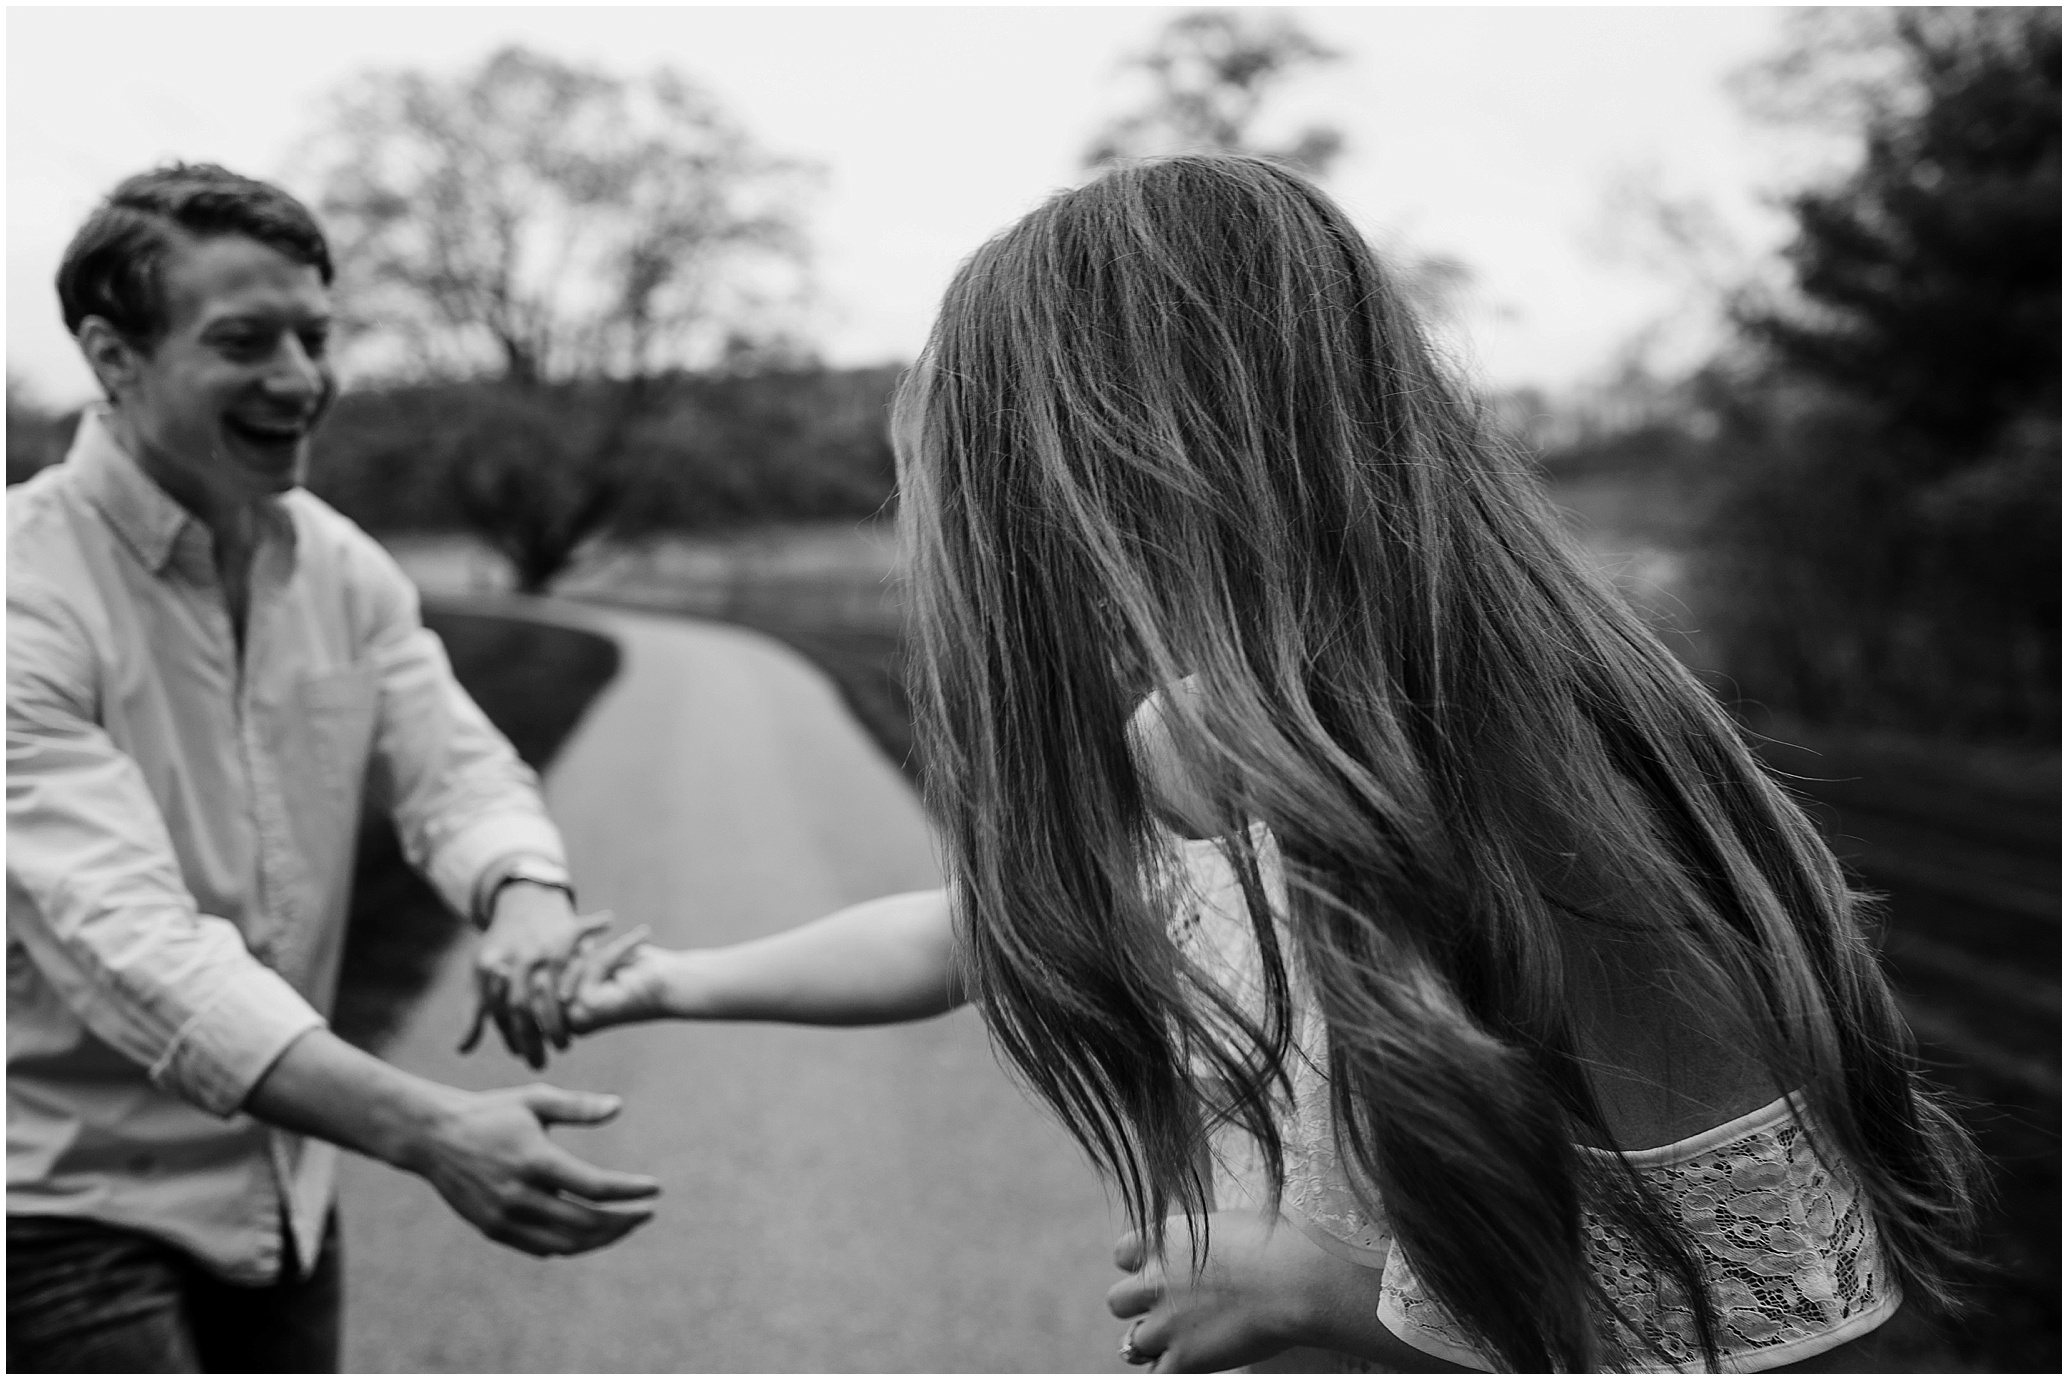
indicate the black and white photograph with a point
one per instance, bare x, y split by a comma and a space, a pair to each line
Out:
968, 689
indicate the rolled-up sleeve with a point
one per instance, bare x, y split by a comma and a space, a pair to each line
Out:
464, 803
96, 897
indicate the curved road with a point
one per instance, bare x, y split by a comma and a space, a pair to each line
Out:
878, 1200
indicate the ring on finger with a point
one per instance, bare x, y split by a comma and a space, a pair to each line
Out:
1128, 1354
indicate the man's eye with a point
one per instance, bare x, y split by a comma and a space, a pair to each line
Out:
245, 344
315, 344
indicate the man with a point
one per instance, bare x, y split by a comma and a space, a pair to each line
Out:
205, 666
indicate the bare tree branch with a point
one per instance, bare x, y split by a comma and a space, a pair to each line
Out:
1212, 72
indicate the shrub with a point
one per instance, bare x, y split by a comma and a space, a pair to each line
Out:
1839, 589
520, 466
35, 438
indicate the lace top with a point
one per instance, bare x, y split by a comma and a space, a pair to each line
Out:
1785, 1240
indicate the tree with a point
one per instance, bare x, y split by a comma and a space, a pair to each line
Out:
36, 437
1888, 541
565, 236
541, 221
1929, 279
1213, 72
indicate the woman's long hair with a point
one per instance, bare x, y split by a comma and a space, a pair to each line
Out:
1180, 422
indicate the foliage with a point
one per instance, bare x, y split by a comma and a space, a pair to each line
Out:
569, 234
35, 437
1212, 73
1930, 278
787, 445
1842, 593
544, 221
537, 471
708, 451
1885, 548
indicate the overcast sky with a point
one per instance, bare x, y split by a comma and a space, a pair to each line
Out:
1491, 135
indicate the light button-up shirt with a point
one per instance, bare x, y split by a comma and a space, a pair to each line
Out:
181, 828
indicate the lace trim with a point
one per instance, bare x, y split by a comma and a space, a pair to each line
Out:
1786, 1243
1715, 1138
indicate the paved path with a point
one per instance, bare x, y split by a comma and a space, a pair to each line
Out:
880, 1200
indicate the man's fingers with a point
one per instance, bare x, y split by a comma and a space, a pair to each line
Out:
579, 959
517, 1034
493, 991
488, 998
514, 1020
575, 1220
545, 1007
479, 1024
550, 1105
521, 1237
545, 1226
566, 1173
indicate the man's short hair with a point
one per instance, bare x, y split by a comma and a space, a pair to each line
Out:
113, 267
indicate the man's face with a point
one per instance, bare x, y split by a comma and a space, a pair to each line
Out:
226, 399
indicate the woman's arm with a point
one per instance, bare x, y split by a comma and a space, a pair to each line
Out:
877, 963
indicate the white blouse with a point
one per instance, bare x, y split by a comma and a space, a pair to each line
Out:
1786, 1241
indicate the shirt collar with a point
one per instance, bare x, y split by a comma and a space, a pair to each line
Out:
148, 519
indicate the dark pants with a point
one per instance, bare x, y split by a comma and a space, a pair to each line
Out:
84, 1296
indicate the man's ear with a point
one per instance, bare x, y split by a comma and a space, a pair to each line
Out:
112, 356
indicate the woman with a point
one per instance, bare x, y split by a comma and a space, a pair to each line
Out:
1323, 832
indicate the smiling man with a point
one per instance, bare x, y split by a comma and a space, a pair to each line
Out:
206, 669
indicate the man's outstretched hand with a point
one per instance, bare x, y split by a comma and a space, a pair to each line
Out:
489, 1157
486, 1153
520, 969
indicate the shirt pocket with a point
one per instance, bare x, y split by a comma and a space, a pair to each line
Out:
338, 711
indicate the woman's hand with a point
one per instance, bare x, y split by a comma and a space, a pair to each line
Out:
615, 983
1262, 1288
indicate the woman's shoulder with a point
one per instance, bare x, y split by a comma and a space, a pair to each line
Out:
1172, 786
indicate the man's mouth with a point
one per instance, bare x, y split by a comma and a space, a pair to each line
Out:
268, 431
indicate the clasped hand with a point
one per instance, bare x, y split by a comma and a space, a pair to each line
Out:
525, 968
542, 978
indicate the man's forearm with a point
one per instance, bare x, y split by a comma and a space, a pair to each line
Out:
323, 1087
877, 963
487, 1154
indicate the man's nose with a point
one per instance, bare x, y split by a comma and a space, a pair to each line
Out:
297, 374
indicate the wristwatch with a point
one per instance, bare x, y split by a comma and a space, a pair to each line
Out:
537, 871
